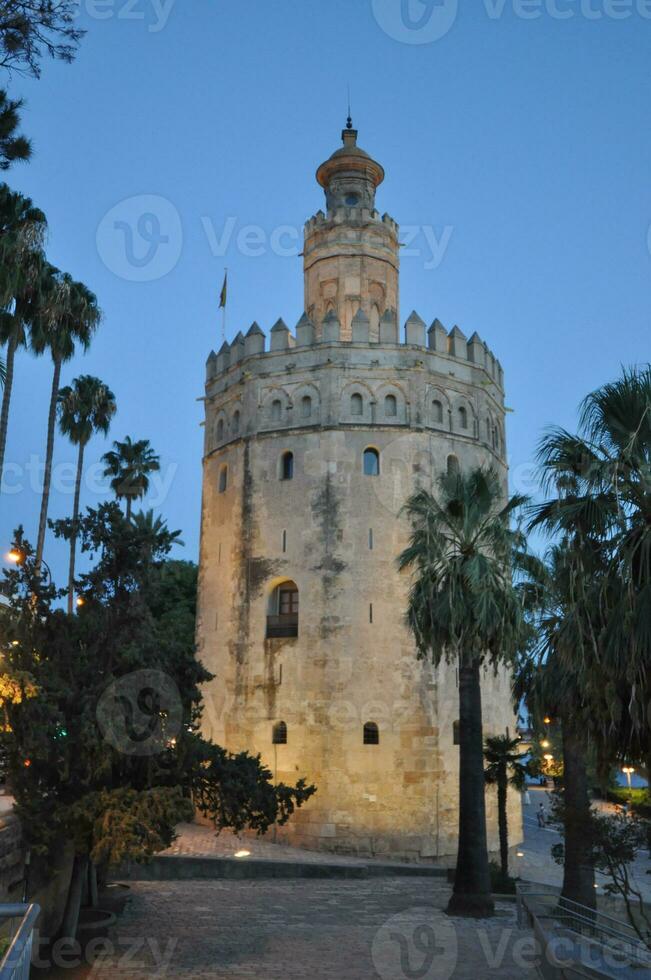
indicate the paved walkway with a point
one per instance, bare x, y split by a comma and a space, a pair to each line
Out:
538, 864
197, 840
392, 929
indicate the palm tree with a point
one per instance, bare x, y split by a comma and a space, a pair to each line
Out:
154, 532
22, 230
129, 465
601, 483
554, 684
69, 315
85, 407
464, 608
505, 768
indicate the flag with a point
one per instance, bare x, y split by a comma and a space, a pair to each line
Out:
224, 292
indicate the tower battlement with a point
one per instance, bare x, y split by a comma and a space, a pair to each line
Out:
442, 347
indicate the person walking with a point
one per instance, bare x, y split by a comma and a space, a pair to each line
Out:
542, 816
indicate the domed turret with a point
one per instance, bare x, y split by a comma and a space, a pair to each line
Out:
350, 176
351, 259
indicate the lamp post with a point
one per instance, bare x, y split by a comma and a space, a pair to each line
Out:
17, 557
628, 771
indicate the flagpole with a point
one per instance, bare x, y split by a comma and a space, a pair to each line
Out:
224, 311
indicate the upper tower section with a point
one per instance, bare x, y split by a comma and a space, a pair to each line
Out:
351, 259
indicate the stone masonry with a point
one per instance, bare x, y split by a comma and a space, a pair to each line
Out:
311, 448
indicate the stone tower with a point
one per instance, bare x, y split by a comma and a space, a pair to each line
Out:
312, 445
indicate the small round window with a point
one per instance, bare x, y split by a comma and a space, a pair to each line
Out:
352, 200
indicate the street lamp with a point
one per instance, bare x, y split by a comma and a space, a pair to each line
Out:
17, 557
628, 770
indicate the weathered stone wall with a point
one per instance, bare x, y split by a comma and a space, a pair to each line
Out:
336, 533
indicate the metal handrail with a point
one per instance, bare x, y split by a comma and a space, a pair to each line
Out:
16, 962
583, 922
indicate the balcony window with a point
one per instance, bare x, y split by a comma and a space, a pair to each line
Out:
282, 617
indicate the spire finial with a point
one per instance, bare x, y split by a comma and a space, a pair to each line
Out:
349, 121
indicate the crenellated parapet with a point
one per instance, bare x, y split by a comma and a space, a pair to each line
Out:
433, 378
450, 345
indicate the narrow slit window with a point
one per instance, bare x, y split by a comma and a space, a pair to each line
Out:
284, 541
371, 462
371, 733
370, 613
370, 539
287, 466
279, 736
223, 479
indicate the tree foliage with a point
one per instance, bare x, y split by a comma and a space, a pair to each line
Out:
33, 29
71, 778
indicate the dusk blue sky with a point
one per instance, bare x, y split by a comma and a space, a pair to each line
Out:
523, 143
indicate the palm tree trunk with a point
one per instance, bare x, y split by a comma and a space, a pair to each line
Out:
6, 400
578, 870
73, 903
128, 508
502, 818
472, 887
73, 539
49, 452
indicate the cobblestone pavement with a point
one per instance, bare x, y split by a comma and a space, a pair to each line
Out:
197, 840
392, 929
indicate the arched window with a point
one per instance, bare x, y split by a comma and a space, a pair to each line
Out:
453, 466
223, 479
279, 734
371, 462
463, 417
390, 406
356, 405
220, 430
276, 409
456, 733
236, 423
282, 617
371, 733
437, 412
306, 407
287, 466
